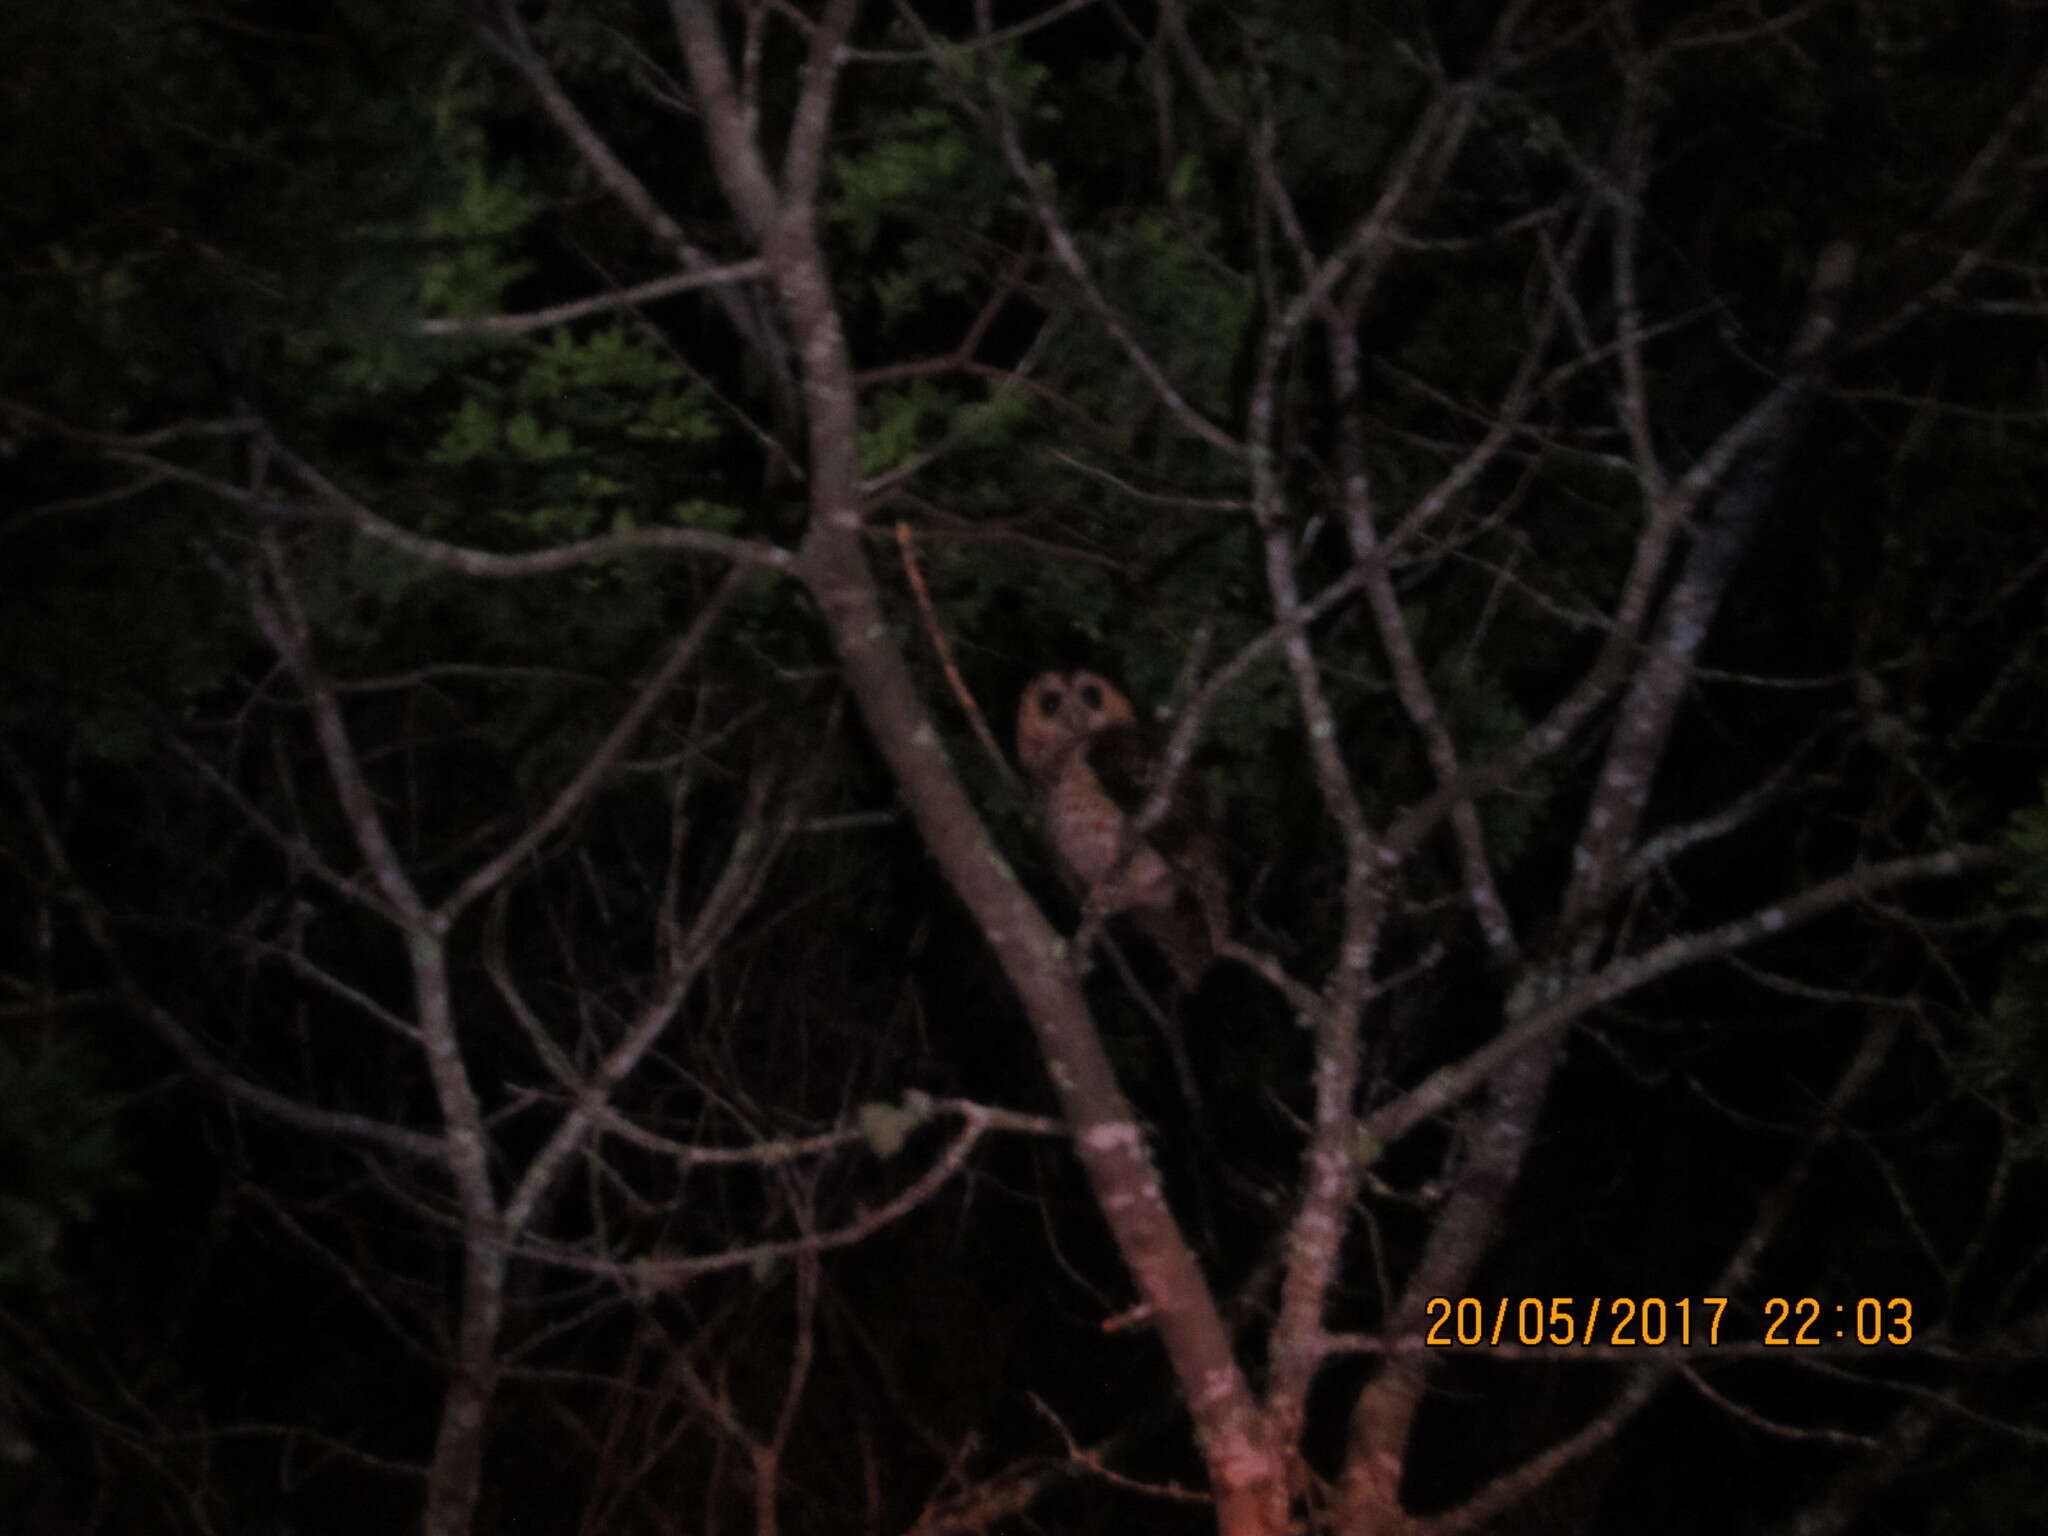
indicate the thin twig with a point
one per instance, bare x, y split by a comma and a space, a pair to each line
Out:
975, 718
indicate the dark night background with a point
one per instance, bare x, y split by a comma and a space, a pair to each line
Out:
250, 254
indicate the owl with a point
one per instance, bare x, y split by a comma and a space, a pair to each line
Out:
1094, 765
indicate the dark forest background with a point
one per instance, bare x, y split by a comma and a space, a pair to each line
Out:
532, 997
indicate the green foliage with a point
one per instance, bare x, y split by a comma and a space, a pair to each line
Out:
913, 160
469, 272
897, 424
1337, 116
909, 201
581, 432
466, 271
472, 433
208, 192
1193, 310
451, 254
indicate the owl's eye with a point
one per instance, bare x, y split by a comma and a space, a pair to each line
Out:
1091, 696
1049, 703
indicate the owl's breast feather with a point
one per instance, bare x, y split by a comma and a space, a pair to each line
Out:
1087, 830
